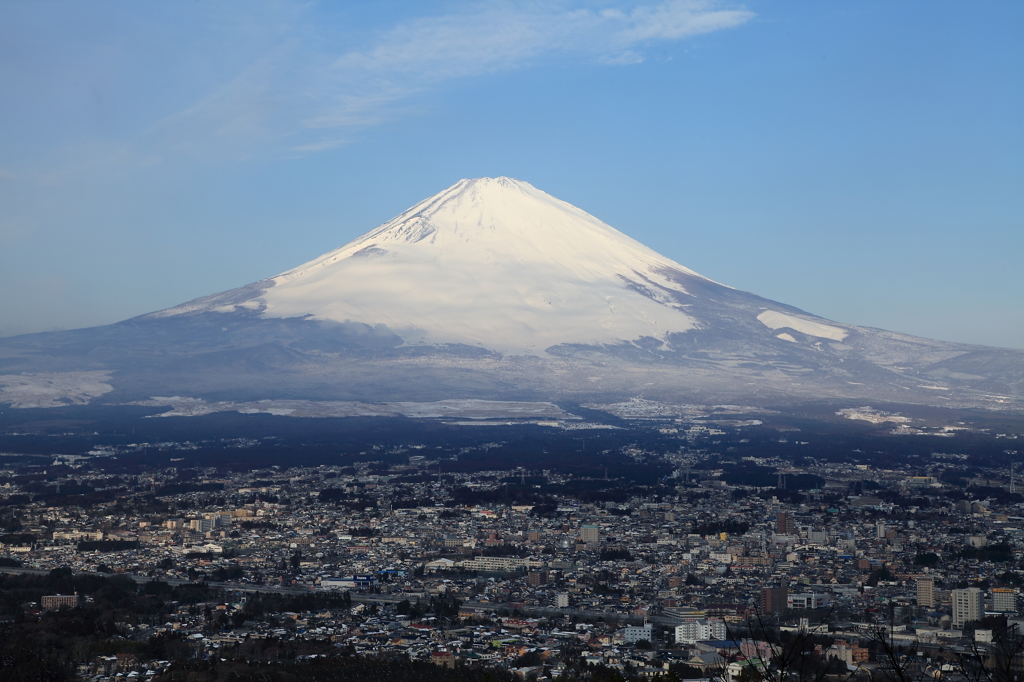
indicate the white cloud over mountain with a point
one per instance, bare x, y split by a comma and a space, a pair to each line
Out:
313, 96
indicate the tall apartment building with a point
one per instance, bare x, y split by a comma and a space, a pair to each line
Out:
785, 524
692, 631
1004, 600
773, 600
968, 604
926, 592
590, 534
202, 525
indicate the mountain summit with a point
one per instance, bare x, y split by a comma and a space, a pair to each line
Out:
494, 289
491, 262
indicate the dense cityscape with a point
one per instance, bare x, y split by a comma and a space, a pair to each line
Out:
693, 558
494, 341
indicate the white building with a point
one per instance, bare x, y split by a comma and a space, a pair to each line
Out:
692, 631
439, 565
809, 600
561, 600
355, 582
632, 634
498, 564
968, 604
202, 525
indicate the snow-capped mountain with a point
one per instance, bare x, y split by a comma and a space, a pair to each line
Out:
492, 262
495, 289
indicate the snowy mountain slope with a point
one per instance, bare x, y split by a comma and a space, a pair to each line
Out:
494, 263
493, 289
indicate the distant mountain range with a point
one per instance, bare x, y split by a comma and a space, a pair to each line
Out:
493, 289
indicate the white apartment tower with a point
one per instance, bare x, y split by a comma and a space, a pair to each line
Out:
692, 631
968, 604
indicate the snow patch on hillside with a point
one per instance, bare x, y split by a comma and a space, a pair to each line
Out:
462, 409
776, 320
870, 414
53, 389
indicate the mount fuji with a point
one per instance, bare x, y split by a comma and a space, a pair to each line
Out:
494, 289
491, 263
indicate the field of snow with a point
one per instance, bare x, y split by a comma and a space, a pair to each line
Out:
54, 389
458, 409
776, 320
872, 415
639, 408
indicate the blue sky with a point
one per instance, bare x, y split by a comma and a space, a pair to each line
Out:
861, 160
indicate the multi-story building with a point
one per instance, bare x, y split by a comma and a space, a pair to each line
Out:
78, 535
52, 602
536, 578
968, 605
692, 631
785, 524
809, 600
817, 537
926, 592
495, 564
774, 599
1004, 600
590, 534
632, 634
355, 582
202, 525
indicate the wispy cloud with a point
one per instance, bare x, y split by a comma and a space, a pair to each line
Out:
278, 80
307, 100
